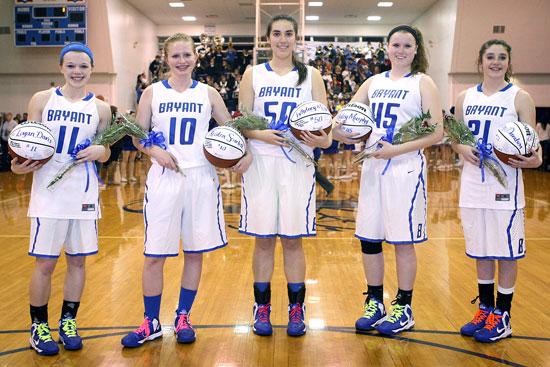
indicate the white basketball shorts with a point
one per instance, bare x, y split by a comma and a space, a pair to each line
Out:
392, 204
187, 206
494, 234
49, 234
278, 198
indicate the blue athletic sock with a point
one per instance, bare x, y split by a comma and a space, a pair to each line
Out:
187, 296
295, 287
152, 306
262, 286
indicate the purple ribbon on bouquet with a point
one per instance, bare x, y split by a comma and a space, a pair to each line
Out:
389, 138
155, 138
281, 126
485, 150
75, 151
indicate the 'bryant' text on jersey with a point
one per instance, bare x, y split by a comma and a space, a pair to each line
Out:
485, 110
168, 107
71, 116
390, 93
280, 92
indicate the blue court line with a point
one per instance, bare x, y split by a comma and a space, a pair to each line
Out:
338, 329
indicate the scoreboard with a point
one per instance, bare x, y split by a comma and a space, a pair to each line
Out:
50, 22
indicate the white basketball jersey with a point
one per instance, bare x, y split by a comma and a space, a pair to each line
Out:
183, 120
393, 103
275, 97
484, 115
71, 124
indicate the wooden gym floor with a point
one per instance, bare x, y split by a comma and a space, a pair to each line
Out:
222, 313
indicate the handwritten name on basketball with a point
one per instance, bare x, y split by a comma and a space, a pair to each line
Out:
168, 107
229, 138
510, 131
316, 108
353, 118
34, 134
72, 116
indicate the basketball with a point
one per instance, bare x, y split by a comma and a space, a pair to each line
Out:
358, 120
515, 138
31, 140
224, 146
310, 116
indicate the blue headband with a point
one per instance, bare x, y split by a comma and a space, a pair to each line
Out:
76, 47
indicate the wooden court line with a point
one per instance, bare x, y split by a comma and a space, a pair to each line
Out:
250, 238
14, 198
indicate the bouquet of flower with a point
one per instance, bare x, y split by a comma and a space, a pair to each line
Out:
413, 129
120, 126
459, 133
247, 120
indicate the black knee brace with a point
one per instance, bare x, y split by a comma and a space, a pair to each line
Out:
371, 248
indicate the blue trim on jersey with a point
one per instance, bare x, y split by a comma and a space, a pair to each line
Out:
45, 256
159, 255
479, 88
387, 74
370, 239
145, 219
496, 257
420, 181
88, 97
245, 211
510, 247
218, 216
268, 67
194, 84
277, 234
406, 242
82, 253
165, 83
58, 92
309, 203
207, 250
506, 87
35, 235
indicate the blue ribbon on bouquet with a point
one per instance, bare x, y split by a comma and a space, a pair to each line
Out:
281, 126
485, 150
155, 138
389, 138
75, 151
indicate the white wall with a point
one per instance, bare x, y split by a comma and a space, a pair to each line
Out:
438, 28
134, 44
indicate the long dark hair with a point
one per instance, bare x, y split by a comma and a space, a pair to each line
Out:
302, 70
508, 49
420, 62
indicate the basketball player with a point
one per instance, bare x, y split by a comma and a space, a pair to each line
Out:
492, 216
278, 196
187, 206
68, 215
392, 194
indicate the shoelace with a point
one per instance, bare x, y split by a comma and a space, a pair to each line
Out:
44, 332
370, 308
69, 327
480, 316
144, 328
492, 321
183, 322
397, 312
263, 313
296, 314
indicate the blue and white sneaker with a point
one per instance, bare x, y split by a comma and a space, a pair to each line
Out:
183, 328
41, 339
68, 335
262, 324
401, 319
149, 330
296, 316
478, 322
497, 326
375, 314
